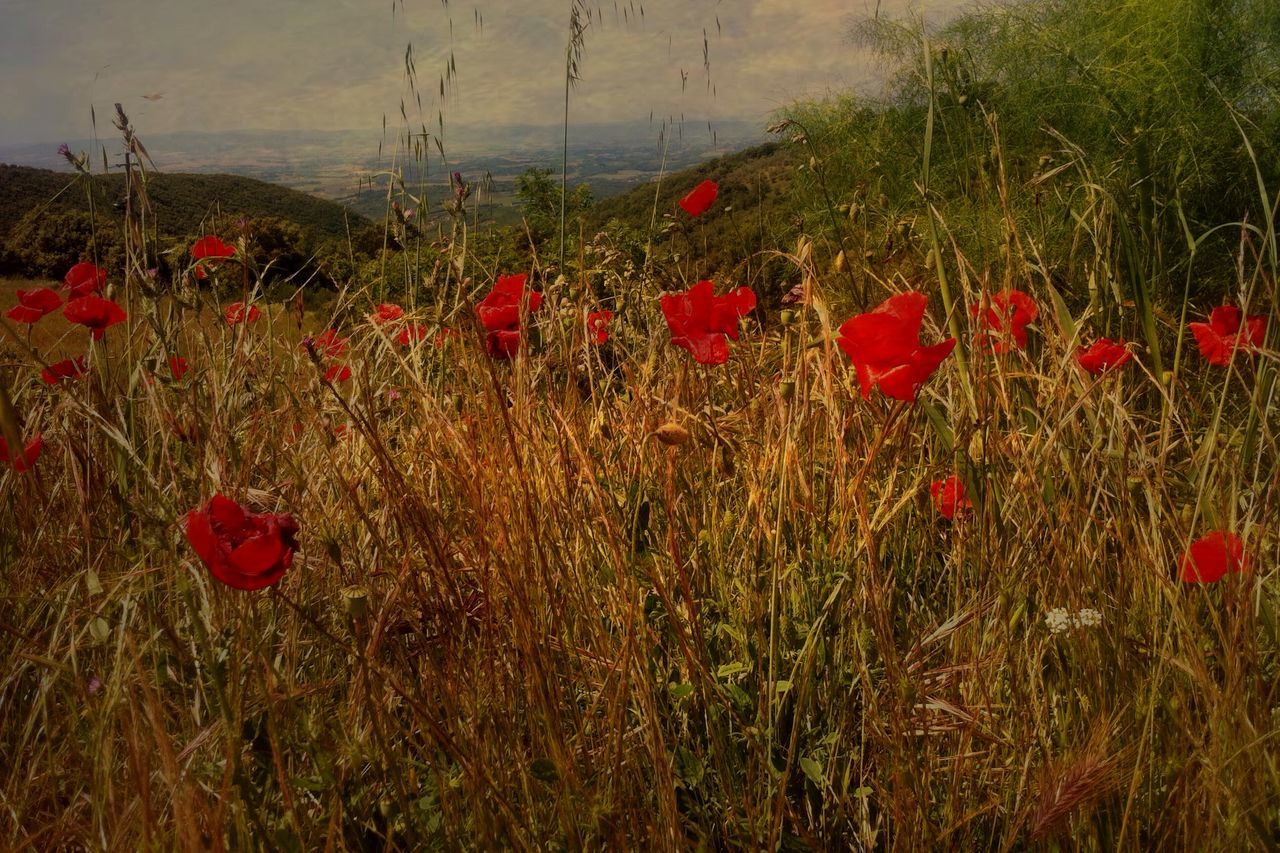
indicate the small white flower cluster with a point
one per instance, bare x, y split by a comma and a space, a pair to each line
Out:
1060, 619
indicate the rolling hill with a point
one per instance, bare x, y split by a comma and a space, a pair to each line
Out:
180, 201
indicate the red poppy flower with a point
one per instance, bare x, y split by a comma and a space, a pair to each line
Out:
1006, 314
1212, 556
500, 309
502, 343
597, 325
34, 304
411, 333
337, 373
700, 198
209, 247
211, 251
386, 312
84, 278
328, 343
949, 497
94, 312
499, 313
1102, 355
243, 549
29, 455
1222, 335
178, 367
64, 370
884, 346
699, 320
236, 313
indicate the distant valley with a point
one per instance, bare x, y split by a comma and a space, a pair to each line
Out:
353, 167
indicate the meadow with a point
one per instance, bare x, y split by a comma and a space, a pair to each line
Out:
951, 526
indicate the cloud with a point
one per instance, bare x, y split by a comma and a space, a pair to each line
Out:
337, 64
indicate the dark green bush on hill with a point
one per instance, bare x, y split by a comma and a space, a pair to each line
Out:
46, 245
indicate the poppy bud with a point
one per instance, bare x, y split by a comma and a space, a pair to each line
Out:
1016, 617
355, 602
788, 388
671, 434
1167, 377
840, 262
788, 317
977, 447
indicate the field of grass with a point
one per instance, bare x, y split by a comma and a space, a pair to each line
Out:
524, 613
601, 595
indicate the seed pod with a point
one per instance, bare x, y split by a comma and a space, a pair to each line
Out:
977, 447
788, 388
840, 261
355, 602
788, 317
671, 434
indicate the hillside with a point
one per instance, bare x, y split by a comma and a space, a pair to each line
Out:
753, 211
180, 201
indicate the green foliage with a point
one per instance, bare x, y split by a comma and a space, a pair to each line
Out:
539, 198
755, 214
45, 244
1067, 108
54, 210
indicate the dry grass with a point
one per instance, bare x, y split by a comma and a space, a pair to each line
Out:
520, 620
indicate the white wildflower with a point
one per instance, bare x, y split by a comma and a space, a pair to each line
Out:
1088, 618
1058, 619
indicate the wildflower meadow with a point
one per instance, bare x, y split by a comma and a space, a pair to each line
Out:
904, 548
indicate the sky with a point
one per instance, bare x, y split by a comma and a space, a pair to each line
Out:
182, 65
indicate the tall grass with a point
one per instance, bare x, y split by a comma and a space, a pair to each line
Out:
521, 620
527, 614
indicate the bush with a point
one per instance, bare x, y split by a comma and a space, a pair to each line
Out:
46, 245
1123, 113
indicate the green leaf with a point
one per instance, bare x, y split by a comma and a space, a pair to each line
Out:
99, 630
680, 691
729, 669
1065, 321
782, 686
813, 770
689, 767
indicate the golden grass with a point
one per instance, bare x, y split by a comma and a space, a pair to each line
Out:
519, 619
